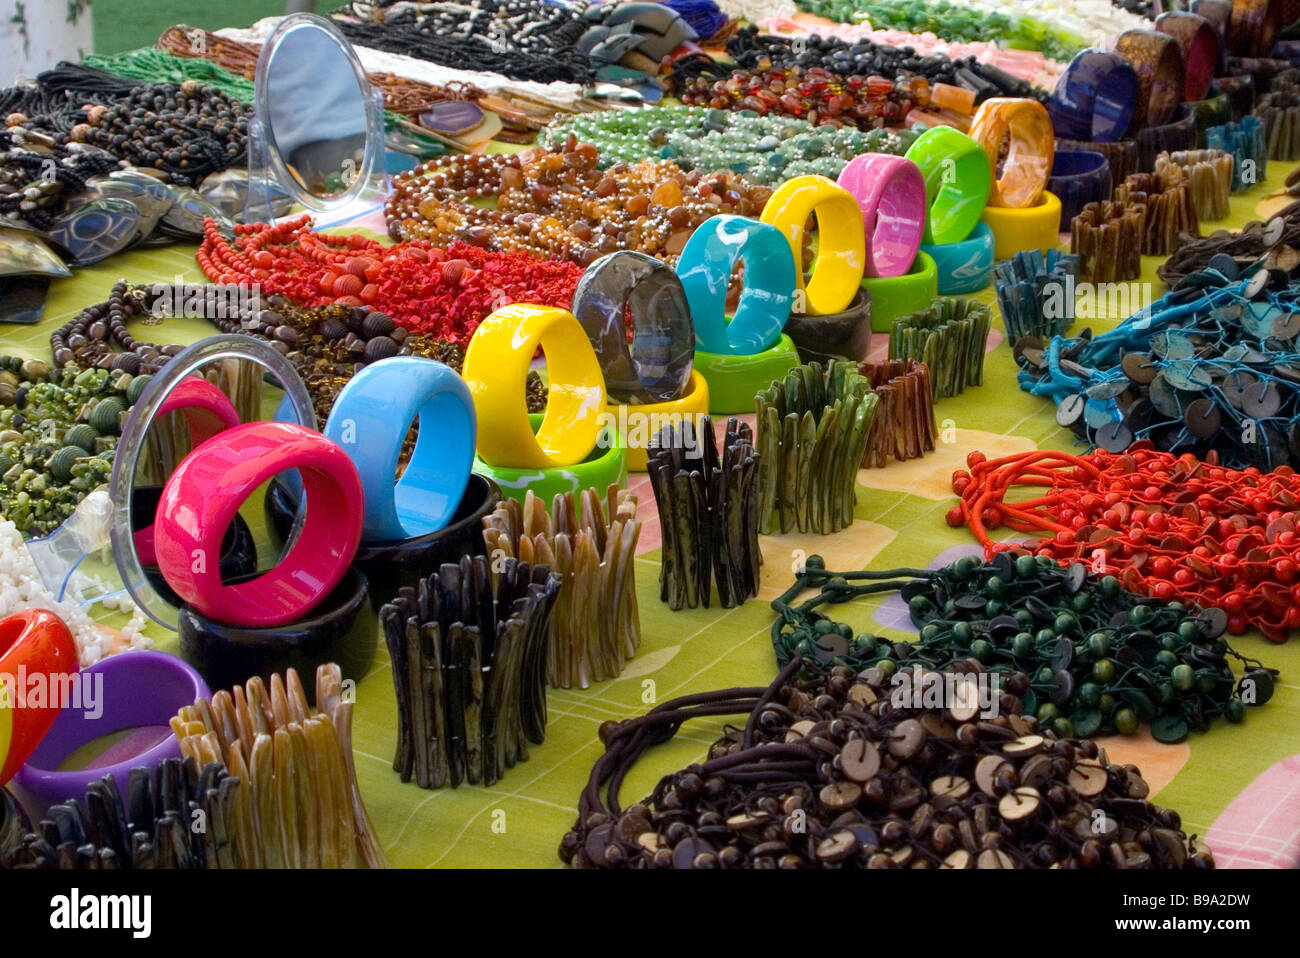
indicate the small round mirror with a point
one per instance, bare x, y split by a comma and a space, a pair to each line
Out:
319, 129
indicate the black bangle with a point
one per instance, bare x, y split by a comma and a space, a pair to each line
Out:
1178, 134
845, 335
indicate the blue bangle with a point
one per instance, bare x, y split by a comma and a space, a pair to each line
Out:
964, 266
1079, 177
705, 268
1095, 97
370, 420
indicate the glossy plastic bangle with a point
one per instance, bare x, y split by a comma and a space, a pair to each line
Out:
734, 380
1122, 155
1016, 230
496, 370
1077, 180
1158, 60
1254, 27
840, 238
207, 411
638, 425
369, 421
891, 192
705, 268
958, 179
606, 466
35, 646
656, 366
206, 491
131, 690
1028, 162
963, 267
1200, 46
1095, 97
897, 296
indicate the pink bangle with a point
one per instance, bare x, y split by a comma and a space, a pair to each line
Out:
207, 489
891, 192
208, 411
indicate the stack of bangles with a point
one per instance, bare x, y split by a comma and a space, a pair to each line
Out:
1170, 212
1208, 174
1107, 238
1169, 526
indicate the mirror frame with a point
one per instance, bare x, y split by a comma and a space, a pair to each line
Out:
131, 446
271, 161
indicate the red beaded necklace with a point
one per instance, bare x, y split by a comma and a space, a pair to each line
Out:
1168, 526
442, 293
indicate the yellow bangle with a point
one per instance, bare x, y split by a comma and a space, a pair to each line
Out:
1038, 227
496, 370
841, 240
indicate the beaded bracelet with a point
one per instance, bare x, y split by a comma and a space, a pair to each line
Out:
1036, 293
1253, 242
1168, 526
596, 627
832, 771
468, 648
764, 149
1078, 650
1107, 239
1248, 146
812, 435
904, 425
949, 338
1170, 214
707, 500
1208, 174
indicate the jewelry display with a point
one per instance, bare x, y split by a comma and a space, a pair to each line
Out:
1036, 293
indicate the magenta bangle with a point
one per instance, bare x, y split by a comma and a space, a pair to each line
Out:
891, 192
207, 489
136, 689
208, 411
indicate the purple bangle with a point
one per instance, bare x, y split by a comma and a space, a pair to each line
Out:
137, 689
1095, 98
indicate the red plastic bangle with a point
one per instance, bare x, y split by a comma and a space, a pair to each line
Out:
207, 489
208, 411
35, 649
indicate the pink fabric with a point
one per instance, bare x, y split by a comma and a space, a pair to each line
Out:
1261, 828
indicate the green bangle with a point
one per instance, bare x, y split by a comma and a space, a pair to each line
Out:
958, 179
734, 381
606, 466
1214, 110
895, 296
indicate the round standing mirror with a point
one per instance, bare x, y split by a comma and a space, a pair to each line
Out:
130, 491
319, 126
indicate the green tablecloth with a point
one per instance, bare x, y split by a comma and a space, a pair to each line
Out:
1236, 783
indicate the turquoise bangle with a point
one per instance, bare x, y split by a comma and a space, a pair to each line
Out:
705, 268
605, 466
895, 296
965, 266
958, 180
